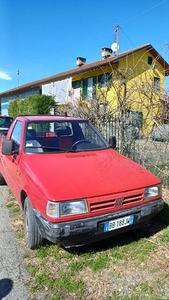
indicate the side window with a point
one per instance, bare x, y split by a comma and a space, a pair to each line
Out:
16, 134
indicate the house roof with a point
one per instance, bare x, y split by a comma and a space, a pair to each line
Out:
91, 66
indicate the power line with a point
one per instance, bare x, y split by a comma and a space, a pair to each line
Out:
145, 11
140, 14
127, 37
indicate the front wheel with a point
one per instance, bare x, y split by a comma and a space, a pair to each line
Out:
32, 235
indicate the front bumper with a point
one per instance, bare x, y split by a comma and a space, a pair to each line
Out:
85, 231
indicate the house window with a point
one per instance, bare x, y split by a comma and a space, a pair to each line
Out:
156, 84
76, 84
150, 60
104, 80
89, 90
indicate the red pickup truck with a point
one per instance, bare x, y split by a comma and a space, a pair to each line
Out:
73, 187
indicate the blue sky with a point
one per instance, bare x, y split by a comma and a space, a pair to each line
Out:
42, 38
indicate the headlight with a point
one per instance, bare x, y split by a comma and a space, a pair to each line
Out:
152, 191
66, 208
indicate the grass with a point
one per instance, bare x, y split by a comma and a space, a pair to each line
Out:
161, 171
133, 265
164, 237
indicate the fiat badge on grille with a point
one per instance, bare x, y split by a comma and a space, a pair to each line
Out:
119, 201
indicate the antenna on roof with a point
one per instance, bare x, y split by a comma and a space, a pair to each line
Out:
115, 45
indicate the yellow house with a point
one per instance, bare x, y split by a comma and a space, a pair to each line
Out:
132, 81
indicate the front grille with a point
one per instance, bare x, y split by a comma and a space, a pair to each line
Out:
113, 201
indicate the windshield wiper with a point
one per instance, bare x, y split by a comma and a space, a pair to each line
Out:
62, 149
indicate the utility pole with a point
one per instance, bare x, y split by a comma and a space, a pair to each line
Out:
115, 45
18, 77
117, 37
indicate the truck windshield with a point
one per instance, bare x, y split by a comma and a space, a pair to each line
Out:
55, 136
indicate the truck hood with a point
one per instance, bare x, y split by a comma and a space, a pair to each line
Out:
85, 174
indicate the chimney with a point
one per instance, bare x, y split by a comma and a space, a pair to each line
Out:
80, 61
106, 52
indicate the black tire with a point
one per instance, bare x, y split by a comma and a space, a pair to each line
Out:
32, 235
2, 180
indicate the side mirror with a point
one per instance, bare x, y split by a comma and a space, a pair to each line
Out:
112, 142
8, 147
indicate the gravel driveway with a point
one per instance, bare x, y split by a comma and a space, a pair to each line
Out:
12, 272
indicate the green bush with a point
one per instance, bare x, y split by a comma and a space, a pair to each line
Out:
33, 105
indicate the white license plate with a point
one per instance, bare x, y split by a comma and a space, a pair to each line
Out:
118, 223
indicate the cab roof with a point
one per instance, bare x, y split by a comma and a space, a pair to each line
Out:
47, 118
